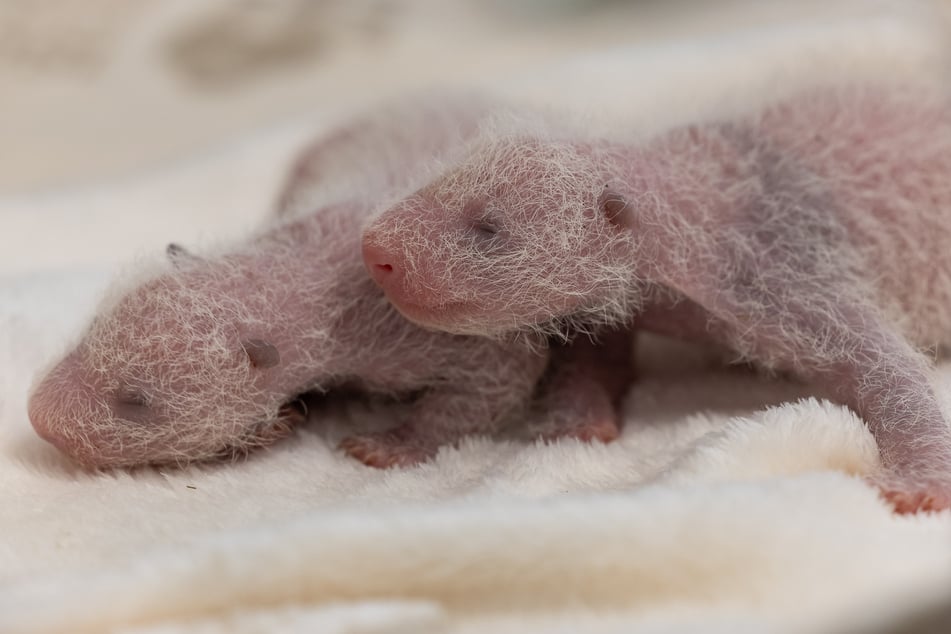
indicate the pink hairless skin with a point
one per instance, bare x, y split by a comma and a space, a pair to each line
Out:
206, 358
810, 235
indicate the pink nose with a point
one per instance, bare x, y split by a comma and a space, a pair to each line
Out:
45, 421
380, 264
65, 413
43, 429
43, 403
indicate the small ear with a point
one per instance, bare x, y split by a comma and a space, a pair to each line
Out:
177, 253
613, 206
261, 353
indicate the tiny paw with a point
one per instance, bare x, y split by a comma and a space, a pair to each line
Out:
394, 448
908, 496
596, 429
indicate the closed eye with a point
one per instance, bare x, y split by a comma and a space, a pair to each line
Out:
479, 219
132, 397
485, 229
488, 238
133, 405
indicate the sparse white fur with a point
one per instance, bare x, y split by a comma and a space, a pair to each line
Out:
164, 372
302, 288
808, 234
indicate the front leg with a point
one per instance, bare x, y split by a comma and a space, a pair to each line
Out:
402, 446
829, 335
441, 416
482, 392
777, 265
582, 393
888, 384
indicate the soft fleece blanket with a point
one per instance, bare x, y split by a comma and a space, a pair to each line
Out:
732, 502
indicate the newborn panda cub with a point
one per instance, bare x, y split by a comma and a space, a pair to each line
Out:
810, 235
206, 358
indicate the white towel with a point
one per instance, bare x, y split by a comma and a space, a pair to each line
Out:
730, 503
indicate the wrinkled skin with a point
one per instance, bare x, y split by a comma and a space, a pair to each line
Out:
808, 236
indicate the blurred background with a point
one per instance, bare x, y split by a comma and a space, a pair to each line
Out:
110, 91
92, 88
